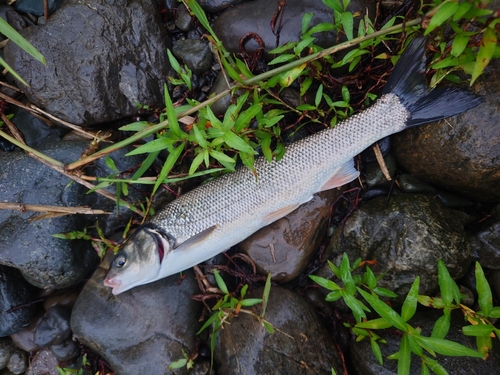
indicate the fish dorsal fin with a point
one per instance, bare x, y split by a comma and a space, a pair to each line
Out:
341, 176
278, 214
197, 238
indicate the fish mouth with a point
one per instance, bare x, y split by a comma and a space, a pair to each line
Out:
113, 283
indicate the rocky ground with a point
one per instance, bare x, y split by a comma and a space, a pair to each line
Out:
105, 57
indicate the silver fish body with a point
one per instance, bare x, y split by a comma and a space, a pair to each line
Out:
213, 217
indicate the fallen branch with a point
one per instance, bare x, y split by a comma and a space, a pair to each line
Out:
60, 209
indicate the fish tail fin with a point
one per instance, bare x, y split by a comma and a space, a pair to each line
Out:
408, 83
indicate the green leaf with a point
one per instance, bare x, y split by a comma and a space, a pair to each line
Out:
404, 356
178, 364
346, 95
209, 322
484, 344
485, 298
285, 47
447, 347
335, 269
173, 124
243, 68
384, 311
494, 313
376, 351
355, 305
222, 158
347, 24
306, 20
445, 12
333, 296
150, 159
135, 126
462, 9
220, 282
268, 326
379, 323
197, 161
173, 62
325, 283
334, 4
383, 292
245, 117
442, 326
410, 302
319, 28
282, 59
447, 286
459, 44
111, 164
319, 95
169, 164
434, 366
288, 77
237, 143
306, 42
415, 347
369, 278
265, 295
478, 330
18, 39
250, 301
153, 146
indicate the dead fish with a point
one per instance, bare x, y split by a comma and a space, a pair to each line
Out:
213, 217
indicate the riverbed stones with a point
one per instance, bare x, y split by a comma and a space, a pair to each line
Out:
246, 347
405, 236
486, 245
141, 331
461, 153
112, 57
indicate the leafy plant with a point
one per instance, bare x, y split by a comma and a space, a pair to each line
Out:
355, 286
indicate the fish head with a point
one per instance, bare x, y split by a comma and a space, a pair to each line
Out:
138, 262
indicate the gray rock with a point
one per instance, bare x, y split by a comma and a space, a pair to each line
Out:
413, 185
183, 20
25, 339
215, 6
196, 54
16, 295
18, 362
45, 261
35, 7
6, 349
285, 247
35, 131
246, 348
54, 327
364, 361
406, 236
103, 57
141, 331
43, 362
375, 176
66, 350
485, 245
255, 17
460, 154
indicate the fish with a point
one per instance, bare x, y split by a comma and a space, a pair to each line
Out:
215, 216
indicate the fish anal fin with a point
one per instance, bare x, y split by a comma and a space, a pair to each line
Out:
342, 176
196, 239
278, 214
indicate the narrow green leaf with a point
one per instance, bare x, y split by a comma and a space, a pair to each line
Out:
265, 295
173, 62
288, 77
376, 351
335, 269
135, 126
306, 42
447, 286
334, 4
383, 292
447, 347
111, 164
220, 282
415, 347
369, 278
462, 9
169, 164
319, 28
268, 326
379, 323
434, 366
355, 305
18, 39
208, 323
306, 20
485, 298
325, 283
243, 68
424, 369
319, 95
459, 44
347, 24
494, 313
282, 59
197, 161
222, 158
384, 311
153, 146
285, 47
250, 301
178, 364
404, 356
442, 325
237, 143
333, 296
484, 344
445, 12
245, 117
410, 302
478, 330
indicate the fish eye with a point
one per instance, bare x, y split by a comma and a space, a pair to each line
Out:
120, 261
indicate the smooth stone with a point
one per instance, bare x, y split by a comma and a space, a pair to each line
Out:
66, 350
220, 106
25, 339
35, 7
103, 57
43, 362
18, 362
183, 19
375, 176
256, 16
6, 350
452, 200
460, 154
54, 327
467, 297
143, 330
196, 54
215, 6
413, 185
16, 295
406, 236
246, 348
285, 247
485, 245
66, 299
364, 361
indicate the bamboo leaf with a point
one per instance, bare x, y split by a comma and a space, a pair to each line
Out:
250, 301
379, 323
485, 53
384, 311
237, 143
459, 44
410, 302
325, 283
169, 164
404, 356
485, 298
376, 351
222, 158
18, 39
442, 325
448, 287
478, 330
347, 24
445, 12
153, 146
447, 347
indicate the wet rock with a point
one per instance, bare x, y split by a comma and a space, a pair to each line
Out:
215, 6
460, 154
35, 7
452, 200
183, 21
285, 247
406, 236
486, 245
54, 327
141, 331
102, 59
220, 106
411, 184
196, 54
43, 362
256, 16
66, 299
25, 339
45, 261
364, 361
245, 346
18, 362
66, 350
6, 349
375, 176
16, 295
35, 131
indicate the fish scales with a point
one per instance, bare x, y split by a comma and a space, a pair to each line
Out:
305, 167
213, 217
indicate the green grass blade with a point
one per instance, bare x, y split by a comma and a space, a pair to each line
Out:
485, 298
410, 302
265, 294
404, 357
384, 311
18, 39
447, 347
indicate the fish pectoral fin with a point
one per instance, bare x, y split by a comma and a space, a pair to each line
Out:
196, 239
342, 176
278, 214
